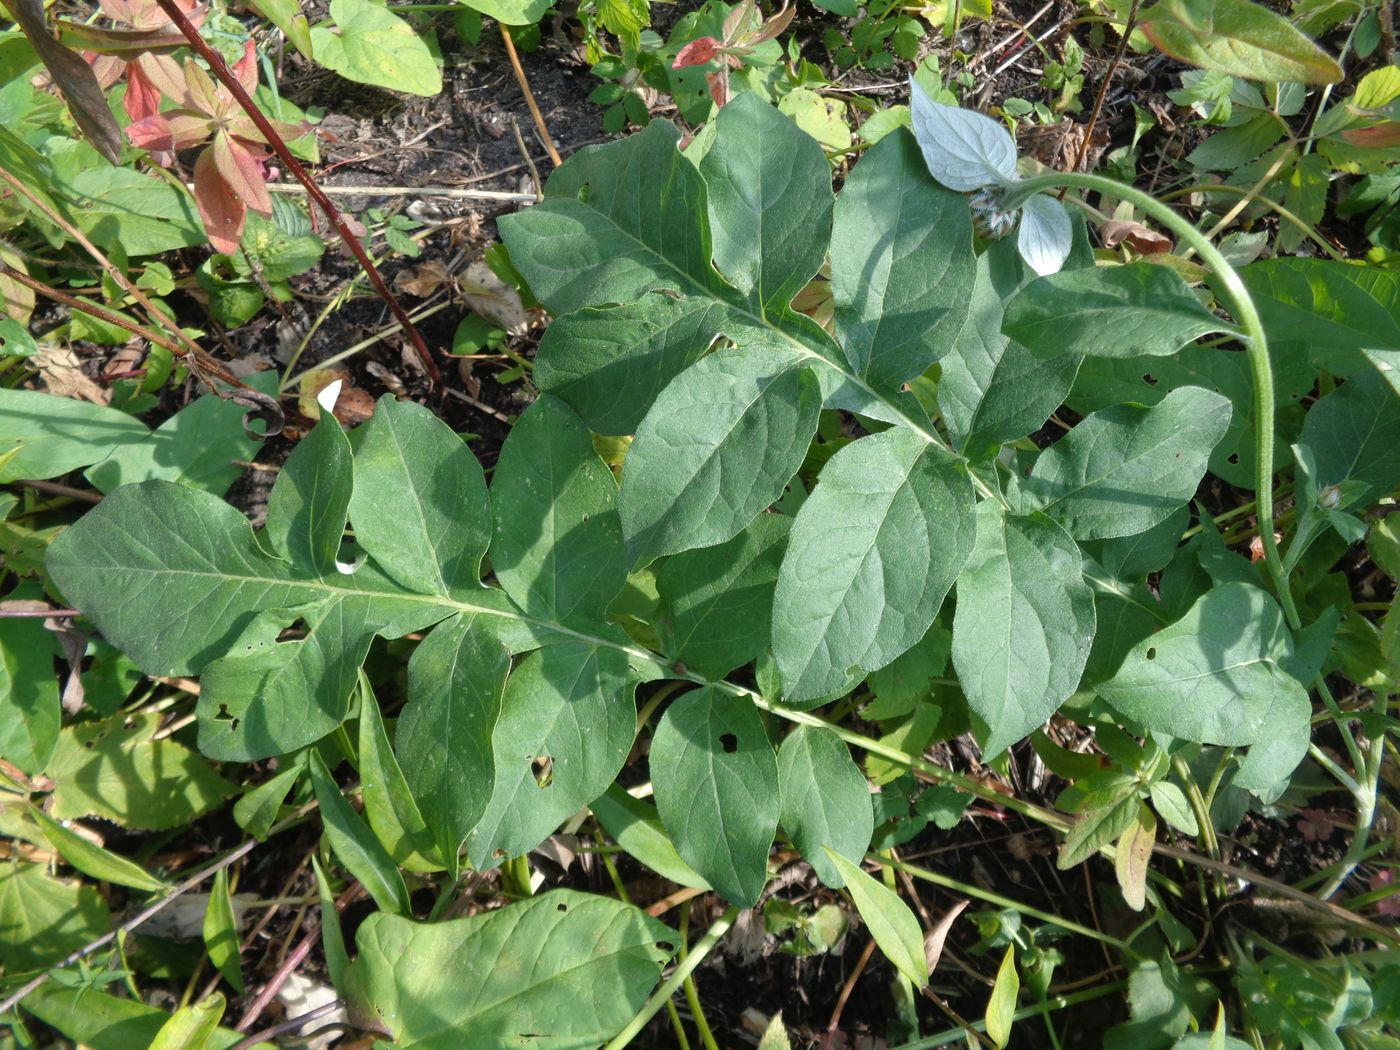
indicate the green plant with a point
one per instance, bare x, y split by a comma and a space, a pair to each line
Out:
520, 696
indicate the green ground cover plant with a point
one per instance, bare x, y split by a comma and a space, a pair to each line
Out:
836, 456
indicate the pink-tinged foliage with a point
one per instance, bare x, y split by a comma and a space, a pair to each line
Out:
697, 52
222, 210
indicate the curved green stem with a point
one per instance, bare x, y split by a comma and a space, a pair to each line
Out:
1237, 298
659, 998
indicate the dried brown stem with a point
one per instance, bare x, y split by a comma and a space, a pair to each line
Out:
92, 309
220, 69
535, 113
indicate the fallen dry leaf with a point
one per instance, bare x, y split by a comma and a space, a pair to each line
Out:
1145, 240
424, 280
493, 299
62, 372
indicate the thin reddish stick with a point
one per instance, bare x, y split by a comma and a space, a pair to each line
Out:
535, 113
220, 69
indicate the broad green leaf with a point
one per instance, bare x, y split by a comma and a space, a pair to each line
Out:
310, 500
455, 681
105, 1022
1336, 308
30, 715
1215, 677
197, 446
617, 221
269, 697
43, 436
354, 843
719, 446
419, 504
92, 860
121, 209
1170, 801
191, 1027
891, 922
1237, 37
175, 577
902, 266
716, 783
43, 918
1104, 382
768, 188
1131, 557
994, 390
220, 932
636, 827
557, 547
906, 681
717, 602
390, 807
826, 800
1351, 443
872, 554
567, 723
1163, 1002
1387, 362
1125, 469
570, 969
964, 150
1108, 311
1001, 1006
370, 44
609, 363
15, 340
115, 770
1023, 625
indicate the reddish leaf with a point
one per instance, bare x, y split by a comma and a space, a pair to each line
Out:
152, 133
163, 73
697, 52
1379, 136
719, 86
142, 97
242, 172
222, 210
246, 68
201, 93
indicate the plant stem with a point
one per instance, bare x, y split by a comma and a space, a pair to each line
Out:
698, 952
997, 899
1058, 1002
1370, 773
1256, 342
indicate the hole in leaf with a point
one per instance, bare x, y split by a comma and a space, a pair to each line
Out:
561, 906
223, 715
1149, 379
1151, 653
1233, 457
666, 946
729, 742
585, 519
542, 769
